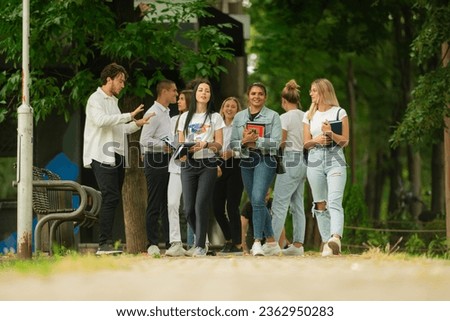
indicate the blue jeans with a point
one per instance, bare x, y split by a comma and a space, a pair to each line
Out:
288, 194
258, 172
190, 238
327, 175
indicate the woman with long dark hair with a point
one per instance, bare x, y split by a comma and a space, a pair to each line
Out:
174, 187
202, 126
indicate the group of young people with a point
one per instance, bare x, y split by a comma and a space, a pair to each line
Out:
225, 152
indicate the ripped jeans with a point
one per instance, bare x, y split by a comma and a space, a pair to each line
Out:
327, 175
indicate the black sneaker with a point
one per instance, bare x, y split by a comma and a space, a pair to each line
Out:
107, 249
227, 247
235, 249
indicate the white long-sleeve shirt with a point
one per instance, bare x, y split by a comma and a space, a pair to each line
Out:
154, 131
106, 130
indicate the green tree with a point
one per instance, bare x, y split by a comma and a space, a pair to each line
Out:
364, 48
427, 116
71, 40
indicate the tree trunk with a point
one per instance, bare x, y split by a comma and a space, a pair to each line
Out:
134, 196
352, 114
134, 191
415, 170
396, 185
445, 59
374, 186
437, 181
403, 37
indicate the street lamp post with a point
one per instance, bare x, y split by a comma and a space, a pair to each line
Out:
25, 149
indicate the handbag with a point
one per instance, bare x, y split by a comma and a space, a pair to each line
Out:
279, 159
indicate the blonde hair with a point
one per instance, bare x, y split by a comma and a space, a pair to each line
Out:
326, 94
291, 92
225, 101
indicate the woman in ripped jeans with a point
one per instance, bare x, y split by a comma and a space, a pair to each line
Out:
326, 132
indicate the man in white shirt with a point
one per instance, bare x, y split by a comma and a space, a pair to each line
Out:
156, 163
105, 148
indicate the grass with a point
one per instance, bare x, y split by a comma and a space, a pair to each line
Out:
66, 260
46, 265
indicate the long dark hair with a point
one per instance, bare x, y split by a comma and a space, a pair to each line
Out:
193, 105
187, 96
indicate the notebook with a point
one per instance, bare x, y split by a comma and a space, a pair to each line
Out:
182, 150
336, 126
259, 128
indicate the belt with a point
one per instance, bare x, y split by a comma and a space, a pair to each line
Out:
326, 146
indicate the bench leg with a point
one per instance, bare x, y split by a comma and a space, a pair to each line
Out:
62, 232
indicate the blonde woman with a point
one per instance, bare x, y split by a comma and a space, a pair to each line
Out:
327, 169
228, 189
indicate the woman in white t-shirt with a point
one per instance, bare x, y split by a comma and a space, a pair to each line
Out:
289, 187
229, 187
202, 126
327, 169
174, 186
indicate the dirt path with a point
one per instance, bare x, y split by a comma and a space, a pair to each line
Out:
359, 277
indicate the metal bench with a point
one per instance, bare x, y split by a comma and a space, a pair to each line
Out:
57, 201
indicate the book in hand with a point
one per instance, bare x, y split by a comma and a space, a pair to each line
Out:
336, 126
169, 143
182, 150
258, 128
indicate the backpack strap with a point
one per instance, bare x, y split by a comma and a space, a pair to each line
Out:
337, 115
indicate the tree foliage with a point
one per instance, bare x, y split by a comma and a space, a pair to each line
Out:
69, 39
424, 119
371, 46
311, 39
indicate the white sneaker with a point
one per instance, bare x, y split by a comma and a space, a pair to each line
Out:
292, 250
190, 251
257, 249
326, 251
334, 243
176, 249
270, 249
153, 250
199, 251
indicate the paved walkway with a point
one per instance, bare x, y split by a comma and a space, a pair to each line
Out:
126, 277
